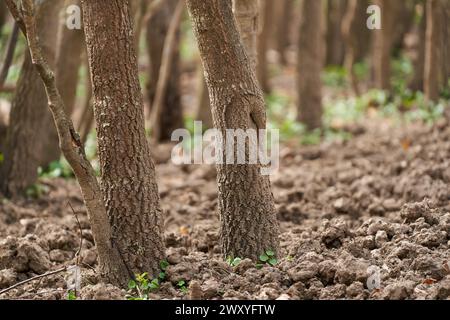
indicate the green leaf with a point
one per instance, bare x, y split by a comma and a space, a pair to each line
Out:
259, 265
181, 283
270, 253
71, 295
236, 262
131, 284
163, 265
162, 275
273, 261
263, 258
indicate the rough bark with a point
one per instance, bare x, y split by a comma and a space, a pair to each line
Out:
283, 29
310, 53
267, 7
68, 61
165, 96
335, 41
247, 18
31, 139
110, 263
246, 204
435, 53
127, 170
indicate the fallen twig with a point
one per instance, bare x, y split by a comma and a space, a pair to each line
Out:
32, 279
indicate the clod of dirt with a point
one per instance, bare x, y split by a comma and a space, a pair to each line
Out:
334, 233
413, 211
356, 291
7, 278
23, 255
398, 291
102, 291
350, 269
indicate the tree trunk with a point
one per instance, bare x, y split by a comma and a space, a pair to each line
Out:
127, 170
247, 17
31, 139
3, 16
310, 53
356, 37
246, 204
157, 27
204, 107
435, 64
335, 42
267, 7
68, 61
383, 43
283, 29
418, 59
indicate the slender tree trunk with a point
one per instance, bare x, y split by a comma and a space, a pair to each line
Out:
3, 16
356, 37
335, 42
171, 117
418, 59
86, 122
31, 139
384, 42
127, 170
247, 17
246, 205
310, 55
267, 7
435, 69
283, 29
204, 106
68, 61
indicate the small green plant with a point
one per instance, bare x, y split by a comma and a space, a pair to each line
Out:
268, 257
36, 191
71, 295
141, 287
182, 286
57, 169
234, 262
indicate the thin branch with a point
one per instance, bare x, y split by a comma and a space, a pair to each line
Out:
165, 70
11, 48
32, 279
153, 8
77, 254
15, 12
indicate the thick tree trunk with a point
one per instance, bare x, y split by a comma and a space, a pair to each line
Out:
436, 46
127, 170
283, 29
310, 53
171, 117
247, 17
31, 139
335, 40
68, 61
267, 7
246, 205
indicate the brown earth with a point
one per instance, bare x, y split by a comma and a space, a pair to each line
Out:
378, 200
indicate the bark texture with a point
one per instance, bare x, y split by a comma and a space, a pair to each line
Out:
31, 138
171, 115
310, 53
246, 205
110, 263
127, 170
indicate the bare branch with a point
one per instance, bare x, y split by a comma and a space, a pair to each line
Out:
15, 12
7, 61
